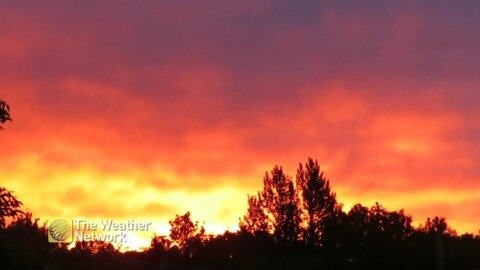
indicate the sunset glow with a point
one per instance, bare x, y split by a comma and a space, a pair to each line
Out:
149, 109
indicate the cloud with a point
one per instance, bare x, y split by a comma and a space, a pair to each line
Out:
192, 100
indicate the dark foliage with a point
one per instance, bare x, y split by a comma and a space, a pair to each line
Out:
9, 206
4, 113
288, 225
318, 201
276, 208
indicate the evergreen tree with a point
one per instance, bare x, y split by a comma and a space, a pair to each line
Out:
318, 200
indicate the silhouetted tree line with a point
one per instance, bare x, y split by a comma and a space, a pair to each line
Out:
289, 224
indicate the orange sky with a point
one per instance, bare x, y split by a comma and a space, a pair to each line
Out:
146, 110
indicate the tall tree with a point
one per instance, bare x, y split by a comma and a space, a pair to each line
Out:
280, 199
256, 220
4, 113
318, 200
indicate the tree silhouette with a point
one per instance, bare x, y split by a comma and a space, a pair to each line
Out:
256, 220
94, 247
23, 244
280, 199
185, 233
160, 243
9, 206
4, 113
394, 224
317, 199
437, 225
270, 237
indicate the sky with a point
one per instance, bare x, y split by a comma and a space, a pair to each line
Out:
147, 109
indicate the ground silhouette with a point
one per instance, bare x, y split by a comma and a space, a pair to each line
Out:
289, 224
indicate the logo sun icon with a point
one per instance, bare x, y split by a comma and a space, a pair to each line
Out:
60, 231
